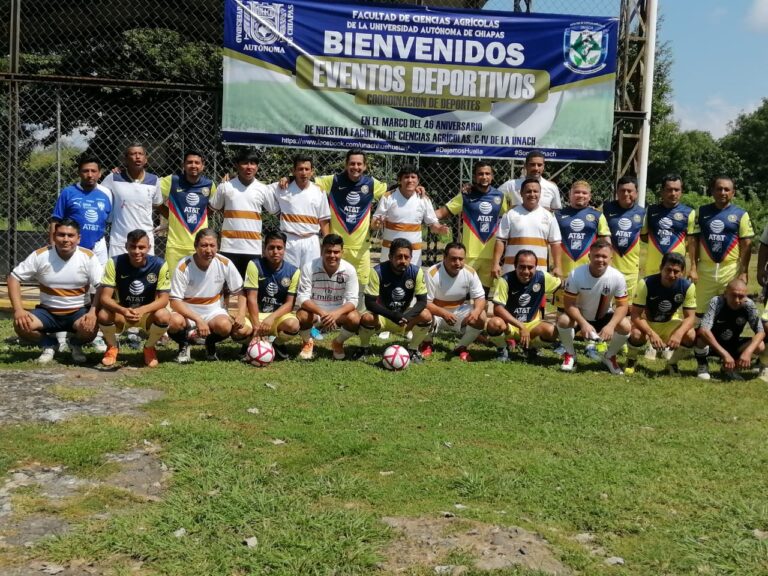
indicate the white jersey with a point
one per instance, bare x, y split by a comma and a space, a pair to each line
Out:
64, 284
202, 290
132, 204
550, 193
450, 292
524, 230
403, 218
328, 292
594, 296
242, 205
301, 211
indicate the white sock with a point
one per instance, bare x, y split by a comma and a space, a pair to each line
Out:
566, 339
616, 344
470, 335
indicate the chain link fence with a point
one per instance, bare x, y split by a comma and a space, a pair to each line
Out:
95, 76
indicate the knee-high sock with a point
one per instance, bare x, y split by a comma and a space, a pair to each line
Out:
212, 339
365, 334
156, 332
566, 339
616, 344
180, 337
305, 335
679, 353
470, 335
344, 335
419, 333
701, 355
109, 331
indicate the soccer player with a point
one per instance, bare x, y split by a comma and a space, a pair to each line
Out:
762, 264
243, 199
134, 293
64, 273
720, 332
304, 213
668, 225
197, 298
722, 243
589, 290
528, 226
657, 317
481, 210
186, 196
450, 287
88, 204
625, 221
534, 168
135, 195
388, 300
518, 298
402, 212
327, 297
270, 287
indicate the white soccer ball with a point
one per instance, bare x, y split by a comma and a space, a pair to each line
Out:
396, 358
260, 353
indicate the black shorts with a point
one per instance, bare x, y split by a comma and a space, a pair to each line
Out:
240, 261
601, 323
733, 345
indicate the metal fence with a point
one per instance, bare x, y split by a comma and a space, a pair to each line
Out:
97, 75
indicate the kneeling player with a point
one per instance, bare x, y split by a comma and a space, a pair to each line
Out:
393, 285
327, 297
141, 282
517, 307
197, 298
656, 316
450, 286
270, 287
720, 332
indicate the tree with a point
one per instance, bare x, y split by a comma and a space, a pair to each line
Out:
748, 139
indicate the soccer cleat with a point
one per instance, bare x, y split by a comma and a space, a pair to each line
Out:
763, 373
46, 355
362, 353
210, 352
591, 352
99, 345
531, 354
281, 350
150, 357
502, 354
650, 353
631, 366
673, 369
307, 350
569, 363
185, 355
315, 333
76, 351
416, 357
702, 372
110, 356
338, 350
426, 349
732, 376
462, 353
612, 364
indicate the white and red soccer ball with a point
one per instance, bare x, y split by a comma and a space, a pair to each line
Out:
260, 353
395, 357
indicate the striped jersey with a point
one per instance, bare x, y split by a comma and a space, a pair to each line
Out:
481, 214
533, 230
595, 296
187, 209
550, 193
272, 286
133, 201
328, 292
134, 286
243, 205
403, 218
450, 292
524, 301
301, 211
201, 289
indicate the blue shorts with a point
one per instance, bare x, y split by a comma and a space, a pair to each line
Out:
58, 322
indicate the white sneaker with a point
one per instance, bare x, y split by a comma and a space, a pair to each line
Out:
77, 353
185, 355
702, 372
569, 363
99, 345
46, 356
613, 365
650, 353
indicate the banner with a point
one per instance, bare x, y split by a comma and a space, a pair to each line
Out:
418, 80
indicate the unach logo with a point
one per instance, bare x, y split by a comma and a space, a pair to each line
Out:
585, 47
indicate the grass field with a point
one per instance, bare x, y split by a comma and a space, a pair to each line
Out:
668, 474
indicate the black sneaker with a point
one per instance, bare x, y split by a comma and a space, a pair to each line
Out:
416, 357
531, 354
362, 353
210, 352
281, 350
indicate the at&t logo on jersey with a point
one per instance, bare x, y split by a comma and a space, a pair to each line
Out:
271, 289
136, 287
91, 216
398, 294
192, 199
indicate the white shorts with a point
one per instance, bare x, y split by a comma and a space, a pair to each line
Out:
299, 251
207, 315
440, 325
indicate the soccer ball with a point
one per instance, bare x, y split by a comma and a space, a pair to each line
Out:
260, 353
396, 358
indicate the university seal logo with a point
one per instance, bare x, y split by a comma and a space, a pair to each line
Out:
265, 23
585, 47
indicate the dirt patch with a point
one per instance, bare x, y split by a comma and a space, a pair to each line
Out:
452, 546
52, 396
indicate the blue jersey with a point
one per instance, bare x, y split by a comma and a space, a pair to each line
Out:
579, 228
662, 303
90, 209
625, 225
395, 292
524, 301
272, 286
136, 287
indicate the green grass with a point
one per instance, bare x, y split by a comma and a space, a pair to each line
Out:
667, 473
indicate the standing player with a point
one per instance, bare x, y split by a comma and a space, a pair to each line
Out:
518, 299
625, 221
720, 333
657, 317
534, 168
668, 225
197, 298
481, 210
589, 291
64, 273
134, 293
403, 212
304, 213
135, 195
186, 196
388, 301
270, 286
528, 226
327, 297
450, 287
243, 199
722, 243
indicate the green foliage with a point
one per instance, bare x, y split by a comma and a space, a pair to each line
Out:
748, 139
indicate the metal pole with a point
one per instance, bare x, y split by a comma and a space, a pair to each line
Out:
58, 140
645, 133
13, 134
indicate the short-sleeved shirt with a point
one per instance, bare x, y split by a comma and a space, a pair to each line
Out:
524, 301
203, 290
328, 292
302, 210
481, 214
625, 225
667, 229
396, 291
663, 303
549, 199
727, 324
580, 228
595, 296
64, 284
243, 205
133, 201
187, 209
450, 292
89, 208
403, 217
531, 230
134, 286
273, 287
719, 232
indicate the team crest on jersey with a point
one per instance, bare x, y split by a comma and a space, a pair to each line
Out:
536, 287
731, 217
497, 200
151, 277
679, 216
606, 290
409, 284
285, 282
679, 298
364, 189
341, 278
206, 192
590, 217
102, 205
637, 218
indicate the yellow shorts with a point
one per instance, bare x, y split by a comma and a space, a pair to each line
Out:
514, 331
631, 287
665, 329
483, 268
174, 255
710, 286
360, 258
283, 318
143, 323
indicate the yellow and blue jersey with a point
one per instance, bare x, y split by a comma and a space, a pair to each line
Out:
272, 286
395, 292
135, 287
187, 209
